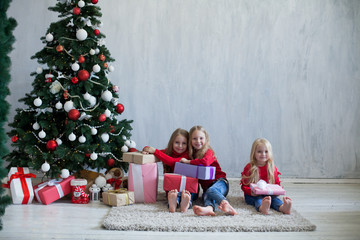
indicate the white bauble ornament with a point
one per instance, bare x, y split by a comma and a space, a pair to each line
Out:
55, 87
123, 137
81, 3
81, 34
111, 68
105, 137
75, 67
92, 52
58, 141
82, 139
68, 105
58, 105
39, 70
100, 181
132, 144
36, 126
93, 131
93, 156
86, 96
42, 134
107, 113
37, 102
127, 143
64, 173
96, 68
45, 167
124, 149
106, 96
92, 101
49, 37
72, 137
97, 51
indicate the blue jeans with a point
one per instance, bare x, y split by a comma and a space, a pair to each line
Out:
257, 201
216, 193
192, 198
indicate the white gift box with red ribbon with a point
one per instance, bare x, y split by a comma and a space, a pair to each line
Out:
20, 185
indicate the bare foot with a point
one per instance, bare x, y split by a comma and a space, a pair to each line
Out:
265, 206
172, 196
227, 208
203, 211
185, 200
286, 207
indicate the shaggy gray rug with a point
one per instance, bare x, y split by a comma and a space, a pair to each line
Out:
156, 217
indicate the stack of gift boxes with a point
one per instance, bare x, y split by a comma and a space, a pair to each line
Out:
142, 183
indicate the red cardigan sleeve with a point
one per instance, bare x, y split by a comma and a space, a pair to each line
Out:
245, 185
170, 161
207, 160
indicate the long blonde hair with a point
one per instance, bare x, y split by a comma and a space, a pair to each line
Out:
254, 171
196, 154
176, 133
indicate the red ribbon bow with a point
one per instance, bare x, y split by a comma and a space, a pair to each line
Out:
116, 182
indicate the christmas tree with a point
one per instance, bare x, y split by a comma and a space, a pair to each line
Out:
6, 40
72, 120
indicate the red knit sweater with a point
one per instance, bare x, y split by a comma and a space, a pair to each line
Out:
209, 160
170, 160
263, 174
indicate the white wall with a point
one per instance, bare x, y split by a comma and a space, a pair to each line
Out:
287, 70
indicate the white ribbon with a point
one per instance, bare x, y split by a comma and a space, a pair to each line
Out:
182, 183
264, 186
138, 182
42, 110
52, 182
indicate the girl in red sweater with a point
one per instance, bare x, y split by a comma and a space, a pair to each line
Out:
261, 166
215, 190
177, 149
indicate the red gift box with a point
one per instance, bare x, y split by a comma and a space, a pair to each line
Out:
50, 191
180, 182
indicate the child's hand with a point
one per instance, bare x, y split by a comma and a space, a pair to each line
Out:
147, 150
184, 160
253, 194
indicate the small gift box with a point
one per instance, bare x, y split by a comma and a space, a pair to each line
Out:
119, 197
139, 158
143, 180
50, 191
263, 188
180, 182
195, 171
20, 185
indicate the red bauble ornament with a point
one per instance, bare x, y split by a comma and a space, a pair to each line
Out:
76, 10
102, 57
105, 65
81, 59
96, 32
110, 162
83, 75
51, 145
14, 139
94, 1
74, 114
112, 129
132, 150
59, 48
87, 155
74, 80
102, 118
119, 108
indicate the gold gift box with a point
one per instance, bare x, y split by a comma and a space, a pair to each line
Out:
118, 197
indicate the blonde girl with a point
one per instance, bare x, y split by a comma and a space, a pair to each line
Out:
261, 166
215, 190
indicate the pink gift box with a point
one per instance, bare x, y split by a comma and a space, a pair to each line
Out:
269, 189
180, 182
143, 180
20, 185
50, 191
